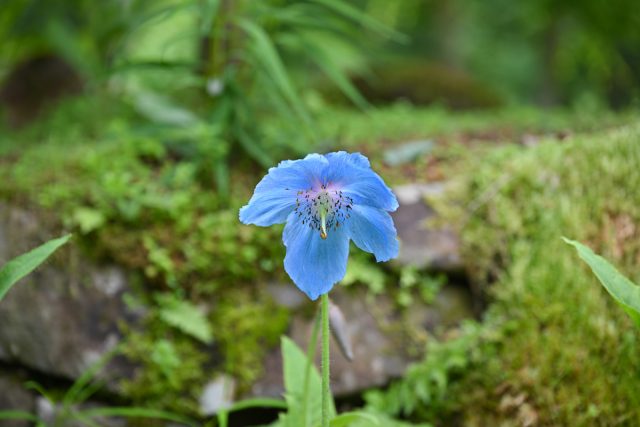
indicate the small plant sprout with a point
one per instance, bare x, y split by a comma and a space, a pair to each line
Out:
326, 201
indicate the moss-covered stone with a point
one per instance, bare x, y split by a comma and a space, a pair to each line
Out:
553, 348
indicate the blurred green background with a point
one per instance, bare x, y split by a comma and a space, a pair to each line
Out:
143, 126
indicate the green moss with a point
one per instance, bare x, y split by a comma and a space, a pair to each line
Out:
248, 325
144, 200
171, 368
572, 352
553, 345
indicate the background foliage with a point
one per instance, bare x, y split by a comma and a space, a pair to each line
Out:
142, 126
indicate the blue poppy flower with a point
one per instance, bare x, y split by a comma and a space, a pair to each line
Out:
326, 201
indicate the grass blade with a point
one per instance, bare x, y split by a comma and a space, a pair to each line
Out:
19, 415
265, 52
345, 9
19, 267
135, 412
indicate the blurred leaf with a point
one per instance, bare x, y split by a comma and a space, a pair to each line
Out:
266, 53
88, 219
208, 14
19, 267
253, 148
345, 9
81, 390
624, 291
18, 415
320, 57
348, 418
69, 45
134, 412
407, 152
161, 110
165, 356
184, 316
366, 273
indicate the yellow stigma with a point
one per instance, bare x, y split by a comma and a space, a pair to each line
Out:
323, 222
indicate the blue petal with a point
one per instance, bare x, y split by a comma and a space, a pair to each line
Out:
275, 196
360, 183
314, 264
372, 230
355, 159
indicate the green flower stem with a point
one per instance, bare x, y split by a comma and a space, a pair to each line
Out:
326, 388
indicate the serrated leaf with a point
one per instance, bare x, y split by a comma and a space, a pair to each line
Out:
186, 317
19, 267
624, 291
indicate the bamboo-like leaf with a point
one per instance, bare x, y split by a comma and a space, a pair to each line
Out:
624, 291
267, 55
210, 9
19, 267
252, 147
345, 9
325, 63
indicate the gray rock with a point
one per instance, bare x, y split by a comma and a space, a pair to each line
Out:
286, 295
14, 397
63, 317
421, 245
381, 349
217, 394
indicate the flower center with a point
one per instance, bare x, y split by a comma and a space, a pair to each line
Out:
324, 209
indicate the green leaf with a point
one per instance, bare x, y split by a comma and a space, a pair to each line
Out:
19, 267
185, 316
362, 418
248, 404
254, 149
345, 9
209, 12
81, 388
160, 109
134, 412
88, 219
624, 291
267, 55
18, 415
320, 57
295, 365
